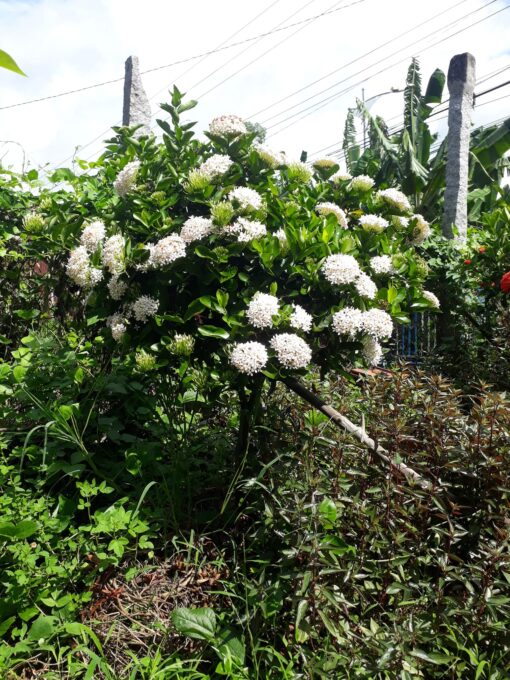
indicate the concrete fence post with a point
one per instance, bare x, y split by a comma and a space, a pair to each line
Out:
461, 83
136, 109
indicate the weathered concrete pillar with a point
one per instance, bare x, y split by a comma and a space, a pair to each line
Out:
136, 108
461, 83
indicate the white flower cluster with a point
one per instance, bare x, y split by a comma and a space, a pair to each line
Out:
375, 322
80, 270
261, 309
249, 357
365, 286
92, 235
421, 230
340, 177
400, 222
300, 319
116, 288
371, 351
117, 325
332, 209
195, 228
246, 198
373, 223
381, 264
166, 250
395, 199
291, 350
246, 230
282, 238
299, 171
144, 307
340, 269
215, 166
361, 183
270, 157
433, 299
126, 178
113, 254
227, 126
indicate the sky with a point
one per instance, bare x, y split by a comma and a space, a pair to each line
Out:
359, 48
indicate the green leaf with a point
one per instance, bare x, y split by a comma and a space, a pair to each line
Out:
42, 627
432, 657
22, 529
19, 373
328, 512
233, 645
199, 623
213, 332
6, 61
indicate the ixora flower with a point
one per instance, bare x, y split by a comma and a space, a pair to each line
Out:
272, 158
249, 357
93, 235
300, 319
246, 230
246, 198
348, 321
395, 199
145, 362
116, 287
433, 299
421, 229
215, 166
195, 228
291, 350
399, 222
117, 326
183, 344
340, 269
144, 307
227, 126
340, 176
33, 222
371, 351
261, 309
361, 183
504, 284
299, 171
377, 323
166, 250
381, 264
373, 223
113, 254
282, 238
332, 209
324, 163
365, 286
80, 270
126, 178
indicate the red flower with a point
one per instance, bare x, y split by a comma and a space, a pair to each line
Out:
467, 261
482, 249
505, 283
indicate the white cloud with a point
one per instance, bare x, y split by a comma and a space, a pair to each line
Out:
68, 44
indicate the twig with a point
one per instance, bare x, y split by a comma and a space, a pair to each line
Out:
344, 423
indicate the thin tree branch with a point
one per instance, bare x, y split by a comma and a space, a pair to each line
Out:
344, 423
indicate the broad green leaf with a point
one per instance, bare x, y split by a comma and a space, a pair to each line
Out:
22, 529
42, 627
19, 373
199, 623
6, 61
213, 332
328, 512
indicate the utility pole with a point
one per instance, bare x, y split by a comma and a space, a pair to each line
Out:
136, 108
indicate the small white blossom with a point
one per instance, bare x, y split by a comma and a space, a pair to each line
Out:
249, 357
421, 230
399, 222
144, 307
340, 177
300, 319
261, 309
282, 238
270, 157
348, 321
227, 126
195, 228
377, 323
126, 178
165, 251
340, 269
80, 270
332, 209
381, 264
365, 286
246, 230
113, 254
116, 288
373, 223
361, 183
395, 199
246, 198
117, 326
92, 235
433, 299
291, 350
372, 351
215, 165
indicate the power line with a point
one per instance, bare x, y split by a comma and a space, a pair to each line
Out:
327, 100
